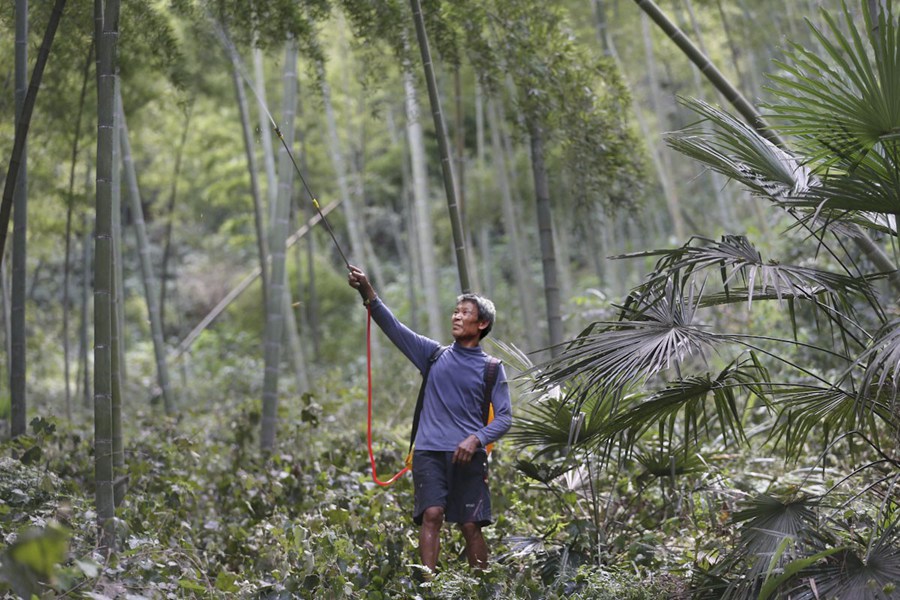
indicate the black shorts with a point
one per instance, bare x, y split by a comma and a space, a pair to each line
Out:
461, 490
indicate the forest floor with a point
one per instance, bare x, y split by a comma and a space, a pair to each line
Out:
205, 515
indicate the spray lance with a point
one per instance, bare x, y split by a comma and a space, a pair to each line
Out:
337, 245
368, 310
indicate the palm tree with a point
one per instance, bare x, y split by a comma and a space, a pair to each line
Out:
662, 377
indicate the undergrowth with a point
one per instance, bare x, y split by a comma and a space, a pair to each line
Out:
206, 515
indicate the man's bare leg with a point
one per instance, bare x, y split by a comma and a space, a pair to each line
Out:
430, 536
476, 547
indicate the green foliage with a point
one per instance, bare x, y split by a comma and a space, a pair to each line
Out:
577, 99
206, 516
30, 564
267, 24
832, 381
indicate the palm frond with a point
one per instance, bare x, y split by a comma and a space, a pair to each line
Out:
768, 520
552, 425
688, 397
882, 363
668, 462
844, 323
852, 573
610, 357
746, 277
737, 151
841, 109
826, 410
769, 539
511, 355
543, 472
869, 186
737, 259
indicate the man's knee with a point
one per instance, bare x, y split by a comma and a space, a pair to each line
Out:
470, 530
433, 516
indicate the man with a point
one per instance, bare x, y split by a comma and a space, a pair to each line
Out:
450, 460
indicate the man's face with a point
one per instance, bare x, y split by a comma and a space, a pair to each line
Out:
465, 321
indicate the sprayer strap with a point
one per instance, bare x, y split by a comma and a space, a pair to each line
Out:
490, 378
421, 399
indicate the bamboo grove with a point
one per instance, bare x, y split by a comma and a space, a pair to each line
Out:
684, 209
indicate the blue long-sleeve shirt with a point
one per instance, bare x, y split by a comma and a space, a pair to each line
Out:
451, 409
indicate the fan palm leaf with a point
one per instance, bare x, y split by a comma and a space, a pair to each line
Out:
770, 534
737, 258
549, 425
850, 572
610, 357
815, 408
845, 114
688, 398
881, 361
841, 109
739, 152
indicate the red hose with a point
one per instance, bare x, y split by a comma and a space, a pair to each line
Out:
369, 429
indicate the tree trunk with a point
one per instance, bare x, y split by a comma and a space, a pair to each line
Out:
259, 209
265, 134
69, 206
5, 297
170, 217
444, 146
150, 291
545, 230
355, 231
118, 305
424, 232
716, 180
562, 245
83, 337
484, 233
665, 171
293, 339
601, 24
23, 124
311, 308
262, 242
117, 331
107, 33
715, 77
524, 289
407, 212
460, 160
274, 332
18, 402
746, 76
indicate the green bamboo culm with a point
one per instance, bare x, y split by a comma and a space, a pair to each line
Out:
107, 33
150, 290
274, 330
117, 348
17, 365
440, 129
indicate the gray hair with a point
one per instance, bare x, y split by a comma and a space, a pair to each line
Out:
486, 310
